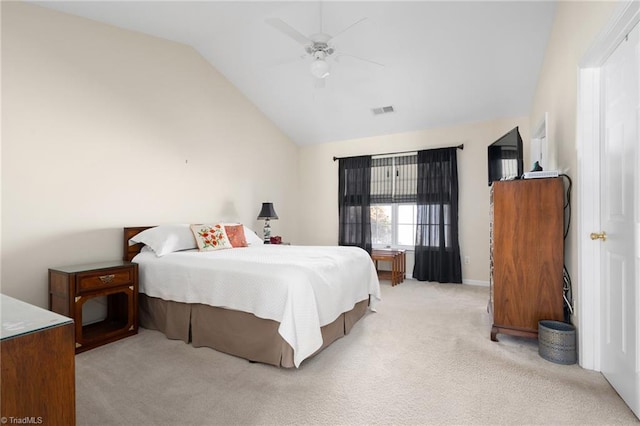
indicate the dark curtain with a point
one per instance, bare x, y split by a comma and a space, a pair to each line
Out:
354, 200
437, 251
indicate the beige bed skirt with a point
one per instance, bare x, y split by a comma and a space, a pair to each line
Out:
237, 333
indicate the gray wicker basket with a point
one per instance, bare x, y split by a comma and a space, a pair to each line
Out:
557, 341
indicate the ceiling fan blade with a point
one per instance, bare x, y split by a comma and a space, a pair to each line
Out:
349, 27
337, 56
287, 29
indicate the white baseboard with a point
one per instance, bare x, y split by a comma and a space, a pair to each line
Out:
476, 282
468, 282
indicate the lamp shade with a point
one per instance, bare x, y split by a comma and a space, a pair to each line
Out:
319, 68
267, 212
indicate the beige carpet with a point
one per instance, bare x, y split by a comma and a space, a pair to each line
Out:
424, 358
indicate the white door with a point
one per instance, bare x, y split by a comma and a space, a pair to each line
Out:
620, 220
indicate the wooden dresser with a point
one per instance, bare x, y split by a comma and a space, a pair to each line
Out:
527, 251
38, 365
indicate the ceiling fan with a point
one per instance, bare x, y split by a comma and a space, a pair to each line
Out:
318, 46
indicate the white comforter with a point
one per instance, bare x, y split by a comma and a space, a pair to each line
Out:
302, 287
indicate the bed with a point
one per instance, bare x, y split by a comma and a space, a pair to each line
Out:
273, 304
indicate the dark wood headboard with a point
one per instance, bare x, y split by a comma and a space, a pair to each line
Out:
130, 252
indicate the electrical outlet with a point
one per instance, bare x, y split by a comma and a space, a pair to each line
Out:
467, 260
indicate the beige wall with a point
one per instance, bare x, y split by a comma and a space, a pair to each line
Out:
104, 128
575, 27
319, 180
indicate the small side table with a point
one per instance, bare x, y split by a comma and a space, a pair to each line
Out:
398, 264
71, 286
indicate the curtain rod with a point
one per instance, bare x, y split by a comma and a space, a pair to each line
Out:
461, 146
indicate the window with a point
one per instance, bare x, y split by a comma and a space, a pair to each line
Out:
393, 225
406, 224
393, 201
381, 225
393, 205
433, 223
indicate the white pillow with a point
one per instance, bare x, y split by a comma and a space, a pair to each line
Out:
166, 239
252, 237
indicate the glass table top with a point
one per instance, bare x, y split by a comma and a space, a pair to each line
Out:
19, 318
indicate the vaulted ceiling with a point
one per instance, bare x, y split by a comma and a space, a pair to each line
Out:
436, 63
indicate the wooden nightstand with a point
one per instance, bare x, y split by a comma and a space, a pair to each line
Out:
70, 287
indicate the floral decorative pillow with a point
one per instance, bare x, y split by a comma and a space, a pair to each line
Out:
236, 236
211, 237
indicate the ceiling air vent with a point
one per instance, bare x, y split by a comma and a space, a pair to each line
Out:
383, 110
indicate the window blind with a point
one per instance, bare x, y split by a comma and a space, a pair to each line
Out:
394, 179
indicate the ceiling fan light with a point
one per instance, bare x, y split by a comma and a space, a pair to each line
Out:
319, 68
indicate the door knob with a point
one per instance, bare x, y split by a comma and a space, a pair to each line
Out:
601, 236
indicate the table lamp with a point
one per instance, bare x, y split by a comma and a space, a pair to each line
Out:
267, 213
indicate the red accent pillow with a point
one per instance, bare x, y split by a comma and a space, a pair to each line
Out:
235, 233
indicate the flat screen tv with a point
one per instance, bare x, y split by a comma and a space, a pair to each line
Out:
505, 157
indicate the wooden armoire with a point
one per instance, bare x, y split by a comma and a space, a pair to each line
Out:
527, 255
